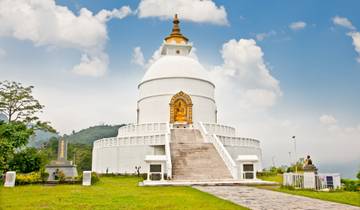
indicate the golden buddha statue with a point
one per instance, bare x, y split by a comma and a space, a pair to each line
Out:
180, 111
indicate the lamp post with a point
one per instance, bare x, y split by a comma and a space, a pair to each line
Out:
290, 159
294, 138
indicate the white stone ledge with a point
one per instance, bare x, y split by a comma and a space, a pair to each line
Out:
218, 129
128, 141
239, 141
143, 129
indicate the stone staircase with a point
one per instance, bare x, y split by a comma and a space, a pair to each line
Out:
195, 160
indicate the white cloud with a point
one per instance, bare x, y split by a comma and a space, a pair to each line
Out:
344, 22
138, 57
48, 24
106, 15
191, 10
245, 76
262, 36
327, 119
2, 53
94, 66
297, 25
356, 42
355, 35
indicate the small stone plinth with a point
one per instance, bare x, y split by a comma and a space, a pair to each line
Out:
65, 166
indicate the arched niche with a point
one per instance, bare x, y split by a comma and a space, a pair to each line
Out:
181, 108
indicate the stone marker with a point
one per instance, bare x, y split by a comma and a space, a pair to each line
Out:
10, 179
86, 178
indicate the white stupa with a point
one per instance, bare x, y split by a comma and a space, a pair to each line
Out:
176, 135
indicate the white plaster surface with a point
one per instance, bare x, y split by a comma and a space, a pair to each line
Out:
123, 159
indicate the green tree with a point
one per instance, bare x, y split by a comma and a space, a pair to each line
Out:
12, 135
20, 108
17, 102
26, 161
358, 175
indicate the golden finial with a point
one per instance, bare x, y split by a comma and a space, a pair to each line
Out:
175, 34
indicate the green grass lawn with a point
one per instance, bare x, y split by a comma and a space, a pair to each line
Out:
109, 193
352, 198
278, 178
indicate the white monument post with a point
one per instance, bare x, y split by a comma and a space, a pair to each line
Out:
10, 179
86, 178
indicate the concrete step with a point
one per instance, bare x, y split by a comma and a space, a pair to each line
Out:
194, 159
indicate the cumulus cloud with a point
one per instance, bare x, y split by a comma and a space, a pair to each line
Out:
191, 10
344, 22
295, 26
327, 119
138, 57
92, 65
48, 24
245, 75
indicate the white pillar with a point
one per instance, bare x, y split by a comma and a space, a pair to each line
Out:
309, 180
162, 171
148, 174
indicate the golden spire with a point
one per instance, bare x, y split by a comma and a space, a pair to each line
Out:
175, 34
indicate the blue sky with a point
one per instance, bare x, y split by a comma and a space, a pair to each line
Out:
315, 64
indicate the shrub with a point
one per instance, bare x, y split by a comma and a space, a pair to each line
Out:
61, 176
29, 178
266, 173
349, 185
44, 175
94, 178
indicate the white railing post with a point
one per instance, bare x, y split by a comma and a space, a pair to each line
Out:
168, 151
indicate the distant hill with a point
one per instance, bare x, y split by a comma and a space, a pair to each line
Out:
40, 138
89, 135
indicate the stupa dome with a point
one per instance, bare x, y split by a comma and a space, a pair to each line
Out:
176, 66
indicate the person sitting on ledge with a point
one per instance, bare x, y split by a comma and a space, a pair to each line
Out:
307, 161
309, 166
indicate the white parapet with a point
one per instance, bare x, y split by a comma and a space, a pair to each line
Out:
239, 141
142, 129
158, 139
218, 129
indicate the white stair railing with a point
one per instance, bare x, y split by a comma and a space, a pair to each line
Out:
224, 154
168, 152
